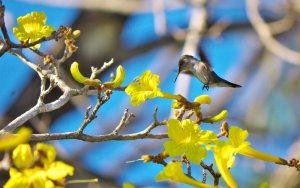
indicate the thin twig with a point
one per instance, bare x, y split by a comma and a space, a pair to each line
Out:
122, 122
210, 169
188, 165
105, 66
93, 115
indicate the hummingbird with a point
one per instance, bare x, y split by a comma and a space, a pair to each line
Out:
203, 71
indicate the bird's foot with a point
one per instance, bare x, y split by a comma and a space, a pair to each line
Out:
205, 87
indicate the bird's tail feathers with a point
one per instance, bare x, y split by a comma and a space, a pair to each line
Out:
225, 83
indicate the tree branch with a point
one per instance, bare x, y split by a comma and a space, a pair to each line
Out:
266, 36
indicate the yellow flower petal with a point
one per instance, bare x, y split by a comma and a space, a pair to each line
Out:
145, 87
250, 152
224, 157
22, 156
9, 141
16, 182
173, 171
37, 177
58, 170
173, 149
224, 171
195, 153
237, 136
45, 153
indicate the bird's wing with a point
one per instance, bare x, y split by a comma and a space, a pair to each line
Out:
204, 58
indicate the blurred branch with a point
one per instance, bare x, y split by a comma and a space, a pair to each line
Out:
119, 6
282, 25
197, 26
218, 28
266, 36
160, 24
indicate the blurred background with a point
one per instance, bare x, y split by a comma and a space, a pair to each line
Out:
254, 43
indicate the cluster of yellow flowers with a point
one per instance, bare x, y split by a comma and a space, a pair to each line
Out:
39, 168
186, 137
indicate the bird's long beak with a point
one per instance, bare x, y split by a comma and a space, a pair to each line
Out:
177, 75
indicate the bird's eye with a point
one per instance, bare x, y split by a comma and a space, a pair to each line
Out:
181, 62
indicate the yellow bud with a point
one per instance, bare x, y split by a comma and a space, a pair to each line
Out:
76, 73
222, 115
76, 33
147, 158
120, 75
203, 99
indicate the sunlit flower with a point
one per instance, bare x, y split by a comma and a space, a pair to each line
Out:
185, 139
32, 27
173, 171
38, 170
224, 157
145, 87
225, 151
9, 141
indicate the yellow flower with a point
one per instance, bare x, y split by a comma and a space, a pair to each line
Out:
45, 153
224, 157
145, 87
185, 138
32, 27
120, 75
59, 170
225, 151
9, 141
237, 137
173, 171
38, 170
